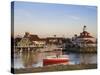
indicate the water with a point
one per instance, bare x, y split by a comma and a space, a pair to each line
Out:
31, 59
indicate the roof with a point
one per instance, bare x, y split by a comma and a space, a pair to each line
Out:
34, 37
85, 34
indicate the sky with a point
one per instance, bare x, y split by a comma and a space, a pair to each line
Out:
46, 19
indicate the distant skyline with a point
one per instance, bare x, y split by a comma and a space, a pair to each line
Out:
46, 19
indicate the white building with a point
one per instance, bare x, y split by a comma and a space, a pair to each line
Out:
84, 39
30, 40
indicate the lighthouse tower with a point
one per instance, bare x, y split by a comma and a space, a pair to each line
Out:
85, 39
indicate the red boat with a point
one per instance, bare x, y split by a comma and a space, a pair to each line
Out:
55, 60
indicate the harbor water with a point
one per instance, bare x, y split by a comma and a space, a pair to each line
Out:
31, 59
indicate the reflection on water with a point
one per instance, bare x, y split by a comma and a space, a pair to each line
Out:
29, 59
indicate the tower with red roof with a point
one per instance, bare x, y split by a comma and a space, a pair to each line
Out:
85, 39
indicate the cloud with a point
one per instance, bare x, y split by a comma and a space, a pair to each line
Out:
74, 17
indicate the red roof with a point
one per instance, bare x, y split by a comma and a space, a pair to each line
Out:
85, 34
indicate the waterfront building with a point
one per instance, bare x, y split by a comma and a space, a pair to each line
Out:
31, 41
85, 39
55, 40
16, 40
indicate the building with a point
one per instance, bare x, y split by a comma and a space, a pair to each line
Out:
31, 41
16, 40
55, 40
85, 39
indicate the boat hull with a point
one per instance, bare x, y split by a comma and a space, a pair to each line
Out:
54, 61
